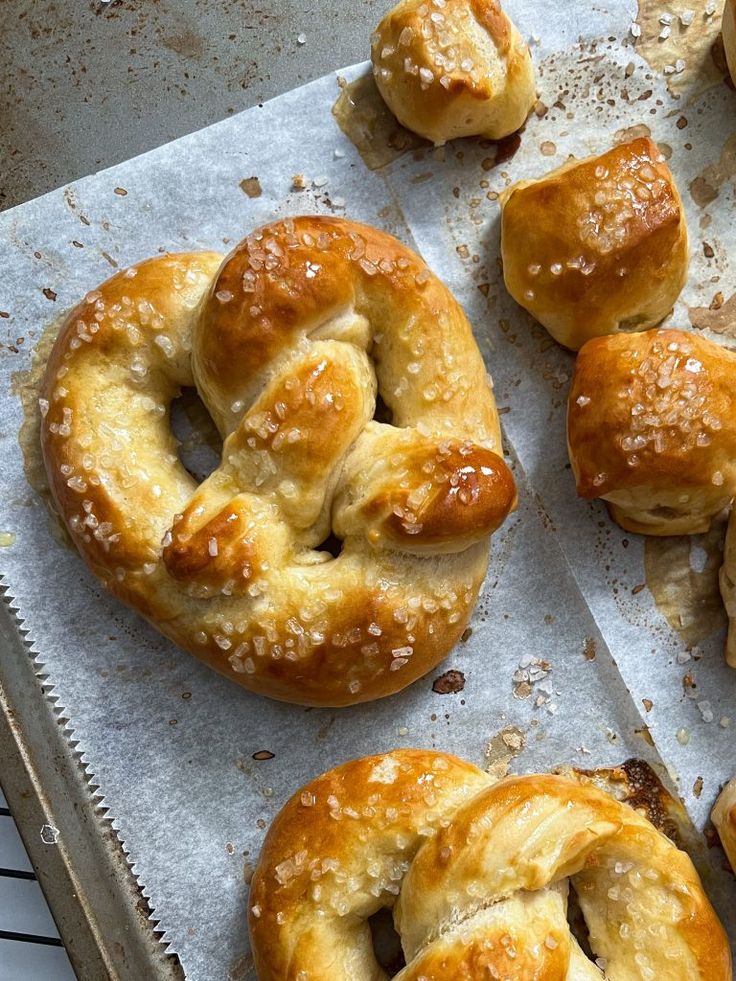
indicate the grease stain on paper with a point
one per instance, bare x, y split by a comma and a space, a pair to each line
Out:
698, 45
505, 746
370, 125
720, 318
26, 385
682, 575
707, 185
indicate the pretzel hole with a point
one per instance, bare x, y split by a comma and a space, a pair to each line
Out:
577, 924
200, 445
386, 942
382, 413
331, 544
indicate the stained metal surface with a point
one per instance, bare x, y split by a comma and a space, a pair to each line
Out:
86, 84
100, 912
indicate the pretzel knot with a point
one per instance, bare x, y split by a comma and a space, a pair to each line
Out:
288, 340
478, 875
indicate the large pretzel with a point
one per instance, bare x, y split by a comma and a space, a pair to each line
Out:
287, 341
477, 874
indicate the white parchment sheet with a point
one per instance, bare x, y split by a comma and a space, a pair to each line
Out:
170, 743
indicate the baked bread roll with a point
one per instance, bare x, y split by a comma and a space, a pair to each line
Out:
598, 245
450, 68
289, 341
729, 36
651, 429
724, 819
477, 875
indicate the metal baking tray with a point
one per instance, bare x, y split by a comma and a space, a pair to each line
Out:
101, 912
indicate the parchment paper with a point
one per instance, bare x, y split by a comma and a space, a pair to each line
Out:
569, 652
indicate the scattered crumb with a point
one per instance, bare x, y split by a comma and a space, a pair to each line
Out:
589, 649
449, 683
120, 191
263, 754
698, 787
648, 704
251, 186
49, 294
299, 182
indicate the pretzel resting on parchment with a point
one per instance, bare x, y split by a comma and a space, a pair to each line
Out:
477, 874
289, 341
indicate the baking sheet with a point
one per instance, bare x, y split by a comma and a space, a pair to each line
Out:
567, 651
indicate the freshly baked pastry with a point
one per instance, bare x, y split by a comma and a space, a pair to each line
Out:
288, 340
477, 875
651, 428
729, 36
597, 245
450, 68
724, 819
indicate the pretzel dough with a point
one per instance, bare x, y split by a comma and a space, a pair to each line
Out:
598, 245
477, 874
451, 68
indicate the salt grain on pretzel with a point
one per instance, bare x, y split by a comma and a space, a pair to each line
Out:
288, 340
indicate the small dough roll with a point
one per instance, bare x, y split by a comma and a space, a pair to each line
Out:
598, 245
651, 428
451, 68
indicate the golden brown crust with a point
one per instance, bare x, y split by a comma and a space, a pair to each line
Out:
598, 245
650, 429
476, 873
424, 497
288, 341
451, 69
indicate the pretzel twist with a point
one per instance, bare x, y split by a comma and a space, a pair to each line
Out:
477, 874
288, 342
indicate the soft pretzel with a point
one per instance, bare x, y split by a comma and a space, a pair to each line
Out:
597, 245
651, 429
729, 36
477, 874
724, 819
451, 68
288, 340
